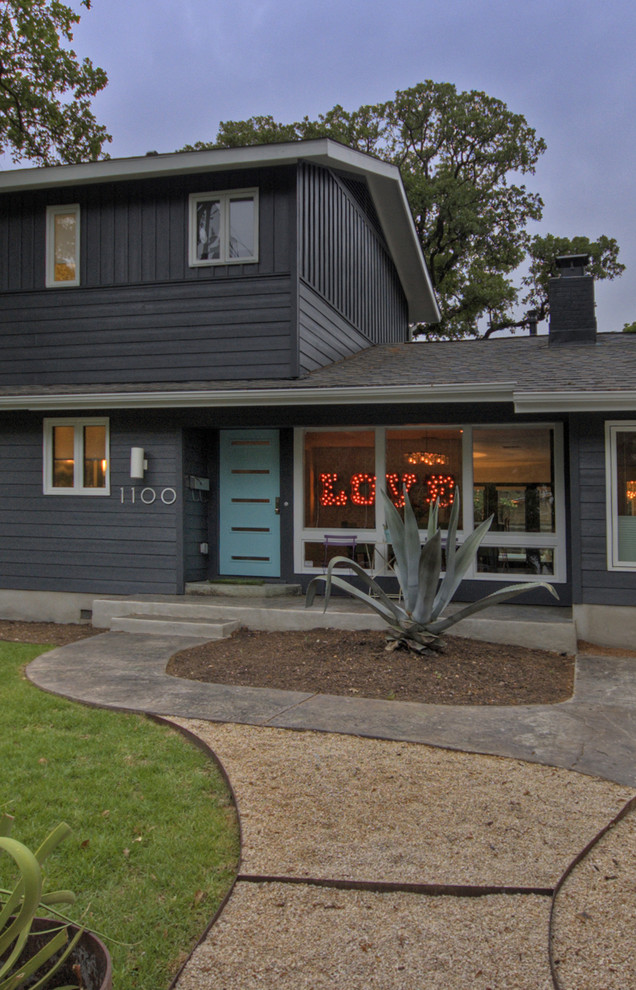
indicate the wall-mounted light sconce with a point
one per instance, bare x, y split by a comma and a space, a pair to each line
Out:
138, 463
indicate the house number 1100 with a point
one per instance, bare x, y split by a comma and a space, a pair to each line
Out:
148, 495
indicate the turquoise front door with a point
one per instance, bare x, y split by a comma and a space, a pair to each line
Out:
249, 523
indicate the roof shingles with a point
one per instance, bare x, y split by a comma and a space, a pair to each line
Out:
526, 364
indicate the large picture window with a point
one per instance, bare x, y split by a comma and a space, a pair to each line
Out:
223, 228
427, 463
76, 457
62, 245
513, 481
512, 473
621, 495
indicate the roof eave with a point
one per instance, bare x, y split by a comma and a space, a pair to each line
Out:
484, 392
597, 400
241, 397
322, 150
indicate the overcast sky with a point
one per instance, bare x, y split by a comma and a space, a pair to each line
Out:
178, 67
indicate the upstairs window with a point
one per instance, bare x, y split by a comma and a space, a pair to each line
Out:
62, 245
223, 228
76, 457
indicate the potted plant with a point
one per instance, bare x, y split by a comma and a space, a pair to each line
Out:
44, 953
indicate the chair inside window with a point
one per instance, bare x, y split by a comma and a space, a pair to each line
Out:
339, 540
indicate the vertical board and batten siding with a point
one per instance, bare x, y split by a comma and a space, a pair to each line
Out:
350, 295
596, 584
141, 314
195, 506
93, 544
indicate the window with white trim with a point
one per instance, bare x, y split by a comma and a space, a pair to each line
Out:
62, 245
76, 457
512, 473
223, 227
621, 495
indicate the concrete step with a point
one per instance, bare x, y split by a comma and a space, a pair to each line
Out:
271, 615
546, 628
174, 625
242, 589
106, 610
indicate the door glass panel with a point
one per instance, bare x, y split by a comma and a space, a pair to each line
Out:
63, 456
513, 475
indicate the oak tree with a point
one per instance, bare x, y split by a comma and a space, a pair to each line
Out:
45, 91
462, 156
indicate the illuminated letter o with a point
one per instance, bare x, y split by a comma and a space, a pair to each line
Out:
357, 481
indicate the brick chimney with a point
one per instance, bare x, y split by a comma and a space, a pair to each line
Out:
572, 308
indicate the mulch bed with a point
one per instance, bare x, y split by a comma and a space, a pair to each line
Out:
334, 661
51, 633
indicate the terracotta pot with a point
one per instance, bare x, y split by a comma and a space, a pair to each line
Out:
90, 955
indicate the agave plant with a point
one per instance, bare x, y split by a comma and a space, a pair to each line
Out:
418, 620
18, 909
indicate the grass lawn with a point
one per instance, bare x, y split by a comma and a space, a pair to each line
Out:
155, 839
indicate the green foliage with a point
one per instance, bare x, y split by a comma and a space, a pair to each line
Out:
154, 841
461, 155
544, 251
22, 904
629, 328
45, 92
420, 620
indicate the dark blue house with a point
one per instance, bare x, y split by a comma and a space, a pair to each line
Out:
205, 370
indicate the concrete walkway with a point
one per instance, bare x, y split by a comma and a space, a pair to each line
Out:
593, 733
375, 866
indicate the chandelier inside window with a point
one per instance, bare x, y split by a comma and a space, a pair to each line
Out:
430, 458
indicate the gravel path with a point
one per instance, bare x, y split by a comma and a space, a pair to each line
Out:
340, 809
595, 915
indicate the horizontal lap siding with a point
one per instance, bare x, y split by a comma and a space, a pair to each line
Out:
598, 585
93, 544
344, 260
147, 334
326, 336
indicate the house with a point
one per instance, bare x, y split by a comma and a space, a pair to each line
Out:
205, 370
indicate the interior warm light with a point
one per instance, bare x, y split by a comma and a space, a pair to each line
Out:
396, 487
441, 489
631, 490
363, 489
328, 496
428, 457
